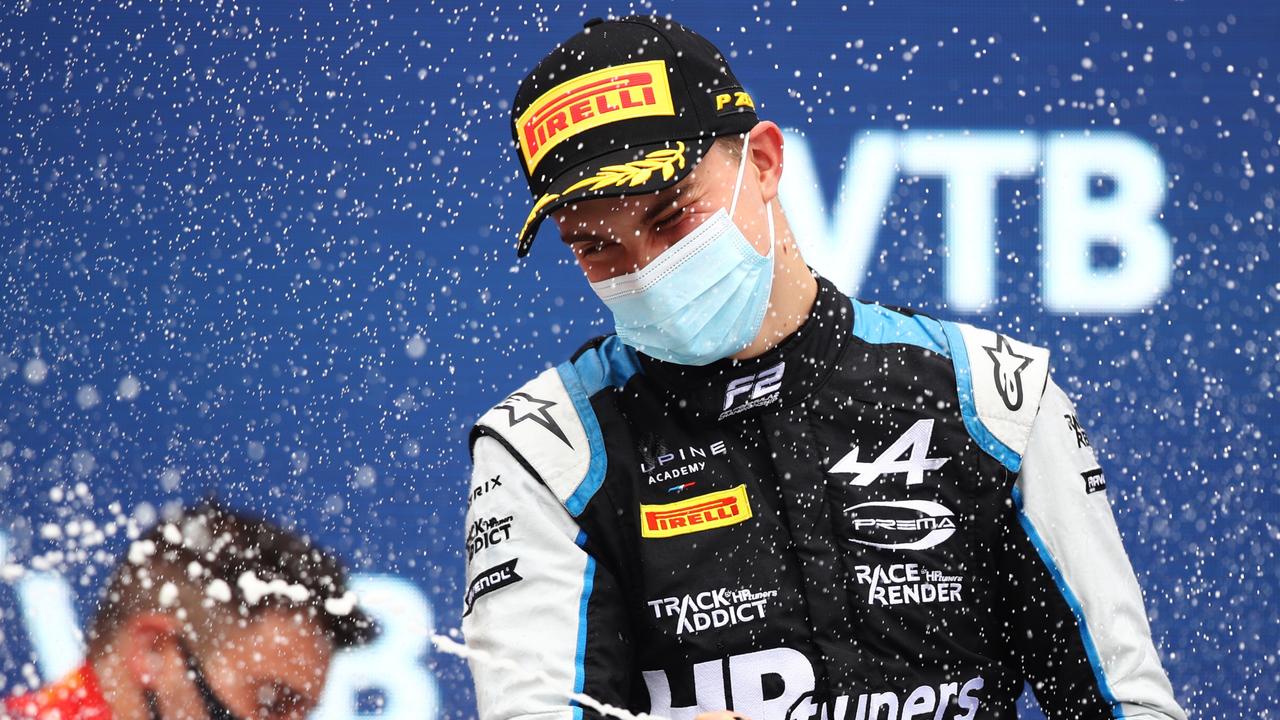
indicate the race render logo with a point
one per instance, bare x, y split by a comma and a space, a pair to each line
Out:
621, 92
758, 390
486, 532
713, 608
696, 514
901, 524
778, 684
907, 584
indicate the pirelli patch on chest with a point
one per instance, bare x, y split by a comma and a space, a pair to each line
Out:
621, 92
696, 514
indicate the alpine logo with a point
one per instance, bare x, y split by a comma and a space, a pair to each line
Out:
1008, 367
901, 524
914, 441
752, 391
704, 512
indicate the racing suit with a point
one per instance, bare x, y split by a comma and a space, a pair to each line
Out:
75, 697
885, 517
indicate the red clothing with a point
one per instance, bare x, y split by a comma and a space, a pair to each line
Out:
75, 697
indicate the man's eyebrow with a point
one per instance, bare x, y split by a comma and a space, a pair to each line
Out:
665, 204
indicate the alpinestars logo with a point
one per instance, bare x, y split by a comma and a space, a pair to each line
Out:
712, 609
522, 406
1008, 367
762, 388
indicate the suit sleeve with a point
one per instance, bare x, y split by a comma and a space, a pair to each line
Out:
1081, 626
541, 615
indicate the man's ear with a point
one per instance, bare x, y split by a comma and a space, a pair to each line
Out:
146, 641
766, 156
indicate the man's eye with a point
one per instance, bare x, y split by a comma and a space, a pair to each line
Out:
671, 220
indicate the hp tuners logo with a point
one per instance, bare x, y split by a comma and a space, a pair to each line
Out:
778, 684
1073, 220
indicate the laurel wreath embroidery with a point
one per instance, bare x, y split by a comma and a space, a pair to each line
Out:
636, 172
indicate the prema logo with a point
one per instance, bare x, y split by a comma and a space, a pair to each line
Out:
704, 512
621, 92
901, 524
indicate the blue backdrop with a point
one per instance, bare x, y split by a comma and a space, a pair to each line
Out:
264, 250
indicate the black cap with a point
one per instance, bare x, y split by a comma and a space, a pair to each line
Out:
627, 106
255, 559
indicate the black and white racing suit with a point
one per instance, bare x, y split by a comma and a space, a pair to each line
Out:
886, 517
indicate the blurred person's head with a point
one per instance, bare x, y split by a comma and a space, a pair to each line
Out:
217, 615
640, 143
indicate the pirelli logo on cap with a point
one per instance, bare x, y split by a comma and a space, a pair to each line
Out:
621, 92
705, 512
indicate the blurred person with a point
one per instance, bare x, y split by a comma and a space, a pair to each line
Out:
213, 615
760, 495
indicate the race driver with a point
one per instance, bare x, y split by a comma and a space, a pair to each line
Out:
210, 615
761, 496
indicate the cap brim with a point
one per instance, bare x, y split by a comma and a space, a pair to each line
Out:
637, 170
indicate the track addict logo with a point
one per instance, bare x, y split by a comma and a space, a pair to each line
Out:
712, 609
487, 532
901, 524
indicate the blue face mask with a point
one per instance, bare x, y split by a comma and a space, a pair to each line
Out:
703, 299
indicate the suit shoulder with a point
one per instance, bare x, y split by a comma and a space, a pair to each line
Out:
999, 380
550, 426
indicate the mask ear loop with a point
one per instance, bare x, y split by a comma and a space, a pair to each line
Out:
737, 186
742, 169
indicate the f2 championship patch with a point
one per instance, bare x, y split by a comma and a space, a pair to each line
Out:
696, 514
621, 92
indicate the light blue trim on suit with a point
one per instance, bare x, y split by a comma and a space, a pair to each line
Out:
579, 660
879, 325
968, 405
1090, 649
611, 364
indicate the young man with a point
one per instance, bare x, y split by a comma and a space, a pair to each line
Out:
760, 495
213, 616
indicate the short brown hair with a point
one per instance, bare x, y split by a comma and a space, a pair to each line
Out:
211, 563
